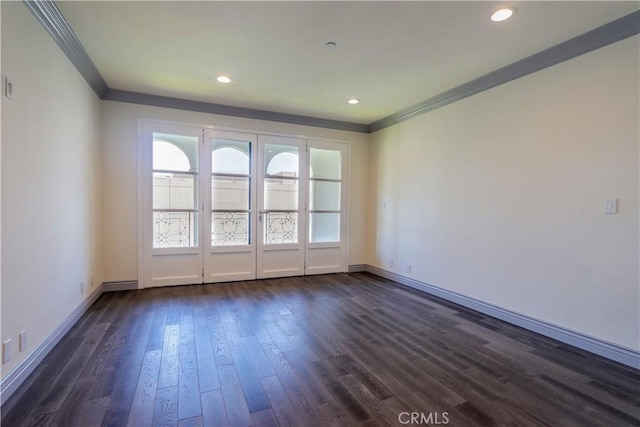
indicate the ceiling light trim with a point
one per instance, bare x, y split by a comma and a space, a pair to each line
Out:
228, 110
614, 31
50, 17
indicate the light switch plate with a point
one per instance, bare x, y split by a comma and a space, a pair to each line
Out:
6, 351
611, 206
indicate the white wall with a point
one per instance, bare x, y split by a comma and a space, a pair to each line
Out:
119, 135
51, 234
500, 196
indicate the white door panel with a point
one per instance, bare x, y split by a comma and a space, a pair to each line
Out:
172, 230
327, 207
281, 194
229, 198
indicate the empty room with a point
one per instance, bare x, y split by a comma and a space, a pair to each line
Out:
320, 213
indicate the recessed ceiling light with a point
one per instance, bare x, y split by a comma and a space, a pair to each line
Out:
224, 79
330, 44
503, 14
354, 101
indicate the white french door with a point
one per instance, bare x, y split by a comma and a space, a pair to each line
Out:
230, 201
327, 200
281, 220
223, 206
171, 205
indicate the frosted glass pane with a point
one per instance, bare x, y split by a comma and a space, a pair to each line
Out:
324, 227
325, 164
324, 195
174, 191
175, 229
229, 193
229, 228
281, 160
231, 157
175, 152
280, 228
281, 194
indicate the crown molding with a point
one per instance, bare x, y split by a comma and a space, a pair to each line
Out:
607, 34
227, 110
50, 17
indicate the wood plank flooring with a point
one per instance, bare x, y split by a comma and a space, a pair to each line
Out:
343, 350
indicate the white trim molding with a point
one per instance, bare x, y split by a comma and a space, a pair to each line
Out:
125, 285
21, 372
357, 268
594, 345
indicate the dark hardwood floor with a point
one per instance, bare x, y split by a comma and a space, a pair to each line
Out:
345, 349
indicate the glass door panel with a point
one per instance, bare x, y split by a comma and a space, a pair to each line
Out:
280, 198
174, 190
280, 194
230, 192
171, 197
324, 195
326, 216
230, 250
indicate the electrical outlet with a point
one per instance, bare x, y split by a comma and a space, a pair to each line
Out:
22, 345
6, 86
6, 351
81, 288
92, 282
391, 262
408, 268
8, 89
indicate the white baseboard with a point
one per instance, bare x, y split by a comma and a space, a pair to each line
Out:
21, 372
125, 285
357, 268
606, 349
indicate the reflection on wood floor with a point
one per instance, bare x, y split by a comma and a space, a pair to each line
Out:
344, 349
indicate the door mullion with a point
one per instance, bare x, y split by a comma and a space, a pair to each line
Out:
204, 201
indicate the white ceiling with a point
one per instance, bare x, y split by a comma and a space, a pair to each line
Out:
391, 55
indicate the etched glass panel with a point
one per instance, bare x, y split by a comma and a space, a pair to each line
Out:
280, 194
174, 191
229, 228
324, 195
324, 227
230, 193
280, 227
175, 229
325, 164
